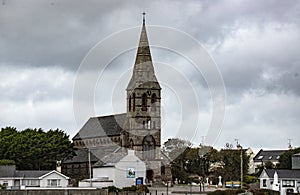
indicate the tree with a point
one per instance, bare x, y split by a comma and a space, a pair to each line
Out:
285, 160
231, 162
176, 150
34, 149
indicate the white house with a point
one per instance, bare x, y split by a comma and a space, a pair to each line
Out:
280, 180
17, 179
118, 169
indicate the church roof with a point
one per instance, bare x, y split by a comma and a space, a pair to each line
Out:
143, 71
102, 126
97, 153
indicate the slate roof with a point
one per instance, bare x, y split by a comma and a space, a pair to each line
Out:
102, 126
7, 171
30, 174
110, 159
268, 155
284, 173
81, 156
10, 171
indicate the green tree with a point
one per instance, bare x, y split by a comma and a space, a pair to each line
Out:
285, 160
176, 150
230, 161
34, 149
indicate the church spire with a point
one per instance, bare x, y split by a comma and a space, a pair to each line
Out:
143, 70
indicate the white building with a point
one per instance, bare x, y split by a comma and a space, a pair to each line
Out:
280, 180
17, 179
118, 169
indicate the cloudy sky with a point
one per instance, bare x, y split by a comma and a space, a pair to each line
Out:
45, 80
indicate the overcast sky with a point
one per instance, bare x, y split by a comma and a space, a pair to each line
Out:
254, 44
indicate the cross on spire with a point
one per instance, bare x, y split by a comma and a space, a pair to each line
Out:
144, 13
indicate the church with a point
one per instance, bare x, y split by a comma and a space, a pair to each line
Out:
138, 129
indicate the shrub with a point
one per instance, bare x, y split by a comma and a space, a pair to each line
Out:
6, 162
112, 189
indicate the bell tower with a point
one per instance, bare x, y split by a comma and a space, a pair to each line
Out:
144, 109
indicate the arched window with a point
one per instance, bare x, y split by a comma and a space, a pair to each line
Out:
133, 109
131, 144
129, 104
153, 100
144, 102
149, 147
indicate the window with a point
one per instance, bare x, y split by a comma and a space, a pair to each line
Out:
260, 157
129, 104
153, 100
148, 124
133, 97
149, 147
131, 144
288, 183
144, 102
30, 182
264, 183
53, 182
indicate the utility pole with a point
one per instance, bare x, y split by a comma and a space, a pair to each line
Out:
239, 147
241, 167
90, 167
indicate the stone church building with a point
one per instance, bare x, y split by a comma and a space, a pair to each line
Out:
138, 129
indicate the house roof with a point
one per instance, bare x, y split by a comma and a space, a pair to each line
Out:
268, 155
298, 154
56, 172
110, 159
11, 172
101, 126
284, 173
7, 171
30, 173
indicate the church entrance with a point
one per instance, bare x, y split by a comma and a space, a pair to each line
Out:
149, 175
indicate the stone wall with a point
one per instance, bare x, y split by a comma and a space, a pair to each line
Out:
54, 192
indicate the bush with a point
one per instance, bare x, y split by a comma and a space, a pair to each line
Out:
112, 189
227, 192
139, 188
6, 162
258, 191
250, 179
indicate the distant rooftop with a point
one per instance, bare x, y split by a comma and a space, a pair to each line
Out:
268, 155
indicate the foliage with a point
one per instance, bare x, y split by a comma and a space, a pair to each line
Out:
258, 191
248, 179
231, 161
226, 192
204, 161
6, 162
285, 160
34, 149
112, 189
2, 187
138, 188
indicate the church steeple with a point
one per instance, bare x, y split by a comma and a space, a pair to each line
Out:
144, 109
143, 70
